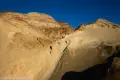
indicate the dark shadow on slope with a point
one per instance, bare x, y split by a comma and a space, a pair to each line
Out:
97, 72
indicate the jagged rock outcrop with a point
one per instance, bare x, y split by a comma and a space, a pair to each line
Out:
34, 45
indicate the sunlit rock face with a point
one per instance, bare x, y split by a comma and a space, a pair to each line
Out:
87, 47
36, 46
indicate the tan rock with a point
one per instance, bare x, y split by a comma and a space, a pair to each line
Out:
87, 48
34, 45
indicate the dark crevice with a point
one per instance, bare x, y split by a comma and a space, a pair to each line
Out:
50, 47
40, 42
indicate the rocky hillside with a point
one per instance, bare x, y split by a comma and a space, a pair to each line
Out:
98, 23
36, 46
42, 27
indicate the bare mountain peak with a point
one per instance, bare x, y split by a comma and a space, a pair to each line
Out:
101, 20
64, 24
38, 14
105, 23
97, 24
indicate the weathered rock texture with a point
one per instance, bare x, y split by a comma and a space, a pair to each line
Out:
116, 70
34, 45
